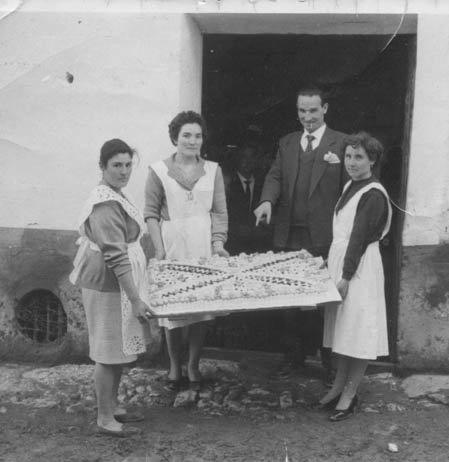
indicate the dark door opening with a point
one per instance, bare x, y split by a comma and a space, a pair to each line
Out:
249, 85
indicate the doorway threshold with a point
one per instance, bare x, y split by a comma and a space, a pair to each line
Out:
314, 362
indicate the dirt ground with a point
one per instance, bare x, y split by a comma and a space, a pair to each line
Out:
259, 427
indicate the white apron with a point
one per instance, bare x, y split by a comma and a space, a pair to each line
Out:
358, 327
188, 232
135, 335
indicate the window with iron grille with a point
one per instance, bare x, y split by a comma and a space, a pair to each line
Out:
41, 316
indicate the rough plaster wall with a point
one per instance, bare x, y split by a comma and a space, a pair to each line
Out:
424, 308
39, 259
428, 178
127, 82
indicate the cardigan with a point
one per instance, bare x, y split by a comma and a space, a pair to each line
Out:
111, 229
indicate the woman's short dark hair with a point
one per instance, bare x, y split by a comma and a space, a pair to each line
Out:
372, 146
183, 118
113, 147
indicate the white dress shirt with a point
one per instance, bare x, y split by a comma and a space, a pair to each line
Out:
318, 134
251, 184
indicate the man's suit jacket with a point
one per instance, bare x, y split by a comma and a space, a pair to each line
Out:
243, 236
325, 186
235, 195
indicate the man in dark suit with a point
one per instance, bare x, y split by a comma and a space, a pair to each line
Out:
243, 190
304, 183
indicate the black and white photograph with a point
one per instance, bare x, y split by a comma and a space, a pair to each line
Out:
224, 230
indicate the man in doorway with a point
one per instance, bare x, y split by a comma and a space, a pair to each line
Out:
243, 190
304, 183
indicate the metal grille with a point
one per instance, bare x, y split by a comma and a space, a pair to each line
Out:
41, 317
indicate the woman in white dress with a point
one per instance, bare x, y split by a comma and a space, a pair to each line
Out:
186, 215
357, 330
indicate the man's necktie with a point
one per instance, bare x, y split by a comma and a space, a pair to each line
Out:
248, 194
309, 146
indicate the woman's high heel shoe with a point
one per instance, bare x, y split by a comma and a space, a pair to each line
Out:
330, 405
345, 413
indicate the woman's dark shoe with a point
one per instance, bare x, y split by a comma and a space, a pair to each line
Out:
175, 385
344, 413
172, 385
329, 406
196, 384
129, 417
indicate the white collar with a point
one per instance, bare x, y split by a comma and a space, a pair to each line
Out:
318, 134
243, 179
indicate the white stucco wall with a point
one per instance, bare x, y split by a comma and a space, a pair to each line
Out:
136, 64
235, 6
132, 73
427, 221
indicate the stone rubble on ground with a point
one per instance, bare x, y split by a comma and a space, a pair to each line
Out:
439, 398
285, 400
393, 447
420, 385
394, 407
185, 398
371, 409
383, 377
225, 390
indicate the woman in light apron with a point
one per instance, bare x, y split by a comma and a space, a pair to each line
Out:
185, 211
110, 267
356, 330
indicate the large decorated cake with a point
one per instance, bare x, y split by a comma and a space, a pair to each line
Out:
240, 283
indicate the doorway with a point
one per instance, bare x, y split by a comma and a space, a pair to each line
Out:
249, 89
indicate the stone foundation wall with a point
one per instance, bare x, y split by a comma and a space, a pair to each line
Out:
423, 337
33, 259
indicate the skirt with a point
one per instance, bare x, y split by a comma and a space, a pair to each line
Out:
104, 324
358, 326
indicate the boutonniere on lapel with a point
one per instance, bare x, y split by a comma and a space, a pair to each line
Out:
331, 157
